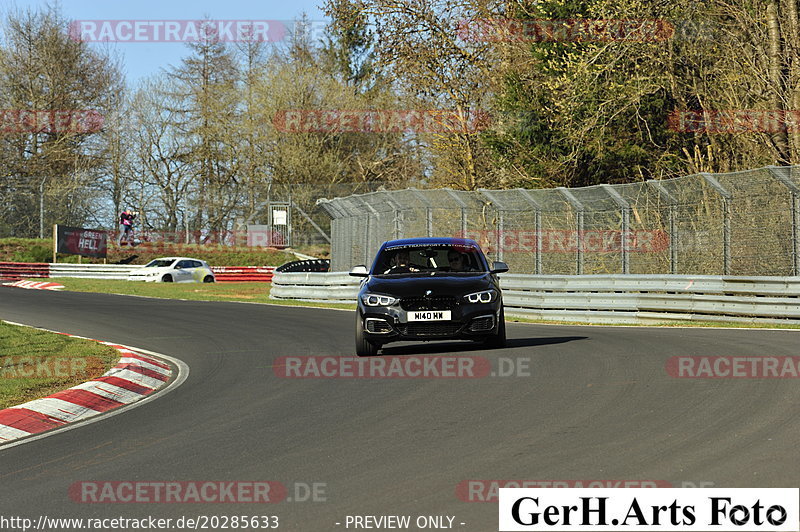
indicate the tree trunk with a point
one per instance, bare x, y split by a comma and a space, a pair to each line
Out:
777, 82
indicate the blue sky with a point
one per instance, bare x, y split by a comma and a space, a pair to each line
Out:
142, 59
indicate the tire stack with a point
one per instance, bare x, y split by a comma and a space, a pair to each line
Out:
315, 265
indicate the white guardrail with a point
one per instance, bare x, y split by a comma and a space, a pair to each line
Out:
603, 298
92, 271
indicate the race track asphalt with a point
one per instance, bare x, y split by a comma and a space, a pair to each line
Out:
597, 404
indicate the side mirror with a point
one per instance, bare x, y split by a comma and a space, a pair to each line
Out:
499, 267
359, 271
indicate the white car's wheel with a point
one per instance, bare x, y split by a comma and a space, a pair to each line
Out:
166, 279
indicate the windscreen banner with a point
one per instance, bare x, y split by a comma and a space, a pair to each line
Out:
80, 241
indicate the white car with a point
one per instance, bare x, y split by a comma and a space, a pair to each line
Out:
174, 270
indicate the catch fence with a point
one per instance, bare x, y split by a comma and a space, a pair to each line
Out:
738, 223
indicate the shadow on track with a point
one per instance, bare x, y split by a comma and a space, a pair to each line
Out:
403, 348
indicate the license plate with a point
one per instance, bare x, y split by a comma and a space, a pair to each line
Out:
429, 315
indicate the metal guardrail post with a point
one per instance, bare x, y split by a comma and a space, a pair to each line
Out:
625, 209
428, 211
537, 209
500, 222
398, 214
367, 239
672, 223
336, 213
778, 172
579, 215
289, 230
726, 220
463, 206
353, 212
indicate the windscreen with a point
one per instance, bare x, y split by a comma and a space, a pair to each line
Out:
159, 263
440, 258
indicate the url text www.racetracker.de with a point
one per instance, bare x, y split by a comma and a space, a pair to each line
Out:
196, 522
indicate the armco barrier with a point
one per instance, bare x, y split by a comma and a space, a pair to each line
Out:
335, 286
14, 271
91, 271
604, 298
307, 265
224, 274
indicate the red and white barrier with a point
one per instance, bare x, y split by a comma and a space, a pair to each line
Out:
243, 274
36, 285
15, 271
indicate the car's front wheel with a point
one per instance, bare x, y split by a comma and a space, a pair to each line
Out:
208, 279
498, 341
166, 279
364, 347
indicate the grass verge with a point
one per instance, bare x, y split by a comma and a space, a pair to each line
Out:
36, 250
36, 363
247, 292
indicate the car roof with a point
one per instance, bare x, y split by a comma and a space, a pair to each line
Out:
430, 241
177, 258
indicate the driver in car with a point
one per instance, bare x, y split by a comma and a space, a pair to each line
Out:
458, 262
401, 263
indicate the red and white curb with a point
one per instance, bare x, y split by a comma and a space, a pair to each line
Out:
127, 384
36, 285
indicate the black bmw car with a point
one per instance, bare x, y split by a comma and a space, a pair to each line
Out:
429, 289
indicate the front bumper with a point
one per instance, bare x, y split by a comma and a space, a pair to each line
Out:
468, 321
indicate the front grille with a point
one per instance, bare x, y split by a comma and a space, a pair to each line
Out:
429, 328
378, 326
481, 324
429, 303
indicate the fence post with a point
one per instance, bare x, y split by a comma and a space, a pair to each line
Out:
726, 220
579, 211
778, 172
463, 206
537, 209
500, 222
428, 211
672, 223
625, 209
289, 233
343, 223
367, 239
354, 212
398, 214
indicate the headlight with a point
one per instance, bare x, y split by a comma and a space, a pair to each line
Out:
487, 296
377, 300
